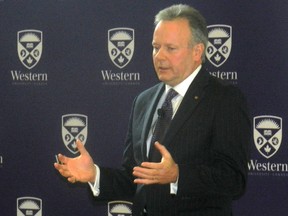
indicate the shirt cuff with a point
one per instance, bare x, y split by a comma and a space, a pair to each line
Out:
174, 187
95, 186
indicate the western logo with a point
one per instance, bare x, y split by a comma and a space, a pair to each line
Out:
267, 134
29, 45
29, 49
121, 46
219, 44
117, 208
31, 206
74, 126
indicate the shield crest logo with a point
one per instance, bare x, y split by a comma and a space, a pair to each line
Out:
74, 126
29, 46
219, 44
29, 206
121, 46
116, 208
267, 134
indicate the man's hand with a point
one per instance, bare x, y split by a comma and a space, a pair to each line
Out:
80, 169
164, 172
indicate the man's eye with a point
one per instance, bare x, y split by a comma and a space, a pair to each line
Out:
171, 48
156, 49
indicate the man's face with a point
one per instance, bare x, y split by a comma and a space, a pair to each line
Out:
173, 56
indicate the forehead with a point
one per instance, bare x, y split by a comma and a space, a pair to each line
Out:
172, 31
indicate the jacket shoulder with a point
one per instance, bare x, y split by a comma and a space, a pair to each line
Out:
149, 93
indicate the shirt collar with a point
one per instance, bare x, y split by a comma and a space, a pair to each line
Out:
182, 87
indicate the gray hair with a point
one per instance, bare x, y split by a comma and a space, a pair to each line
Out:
196, 21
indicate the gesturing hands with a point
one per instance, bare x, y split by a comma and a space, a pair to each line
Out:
80, 168
165, 172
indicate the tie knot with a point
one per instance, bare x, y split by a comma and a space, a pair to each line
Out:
171, 94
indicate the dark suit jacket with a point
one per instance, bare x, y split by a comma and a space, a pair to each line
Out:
208, 138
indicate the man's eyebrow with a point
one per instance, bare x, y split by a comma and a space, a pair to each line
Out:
165, 44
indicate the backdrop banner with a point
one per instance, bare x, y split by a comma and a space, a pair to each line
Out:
70, 69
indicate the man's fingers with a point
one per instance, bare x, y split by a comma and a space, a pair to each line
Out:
145, 176
81, 147
157, 173
72, 179
146, 181
62, 170
151, 165
57, 166
147, 173
62, 159
162, 149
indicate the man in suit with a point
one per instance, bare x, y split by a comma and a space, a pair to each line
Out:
201, 164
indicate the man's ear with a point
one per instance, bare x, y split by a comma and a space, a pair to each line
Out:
198, 51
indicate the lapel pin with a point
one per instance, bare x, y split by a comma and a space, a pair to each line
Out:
196, 97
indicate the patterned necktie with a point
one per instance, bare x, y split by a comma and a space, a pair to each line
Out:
164, 118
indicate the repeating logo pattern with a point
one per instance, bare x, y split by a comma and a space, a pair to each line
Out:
121, 45
29, 206
29, 45
267, 134
219, 44
74, 126
119, 208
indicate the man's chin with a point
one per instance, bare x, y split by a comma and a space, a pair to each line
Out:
167, 81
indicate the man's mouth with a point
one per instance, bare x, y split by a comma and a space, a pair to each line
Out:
162, 68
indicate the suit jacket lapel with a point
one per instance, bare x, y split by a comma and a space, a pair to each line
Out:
149, 116
190, 101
